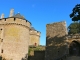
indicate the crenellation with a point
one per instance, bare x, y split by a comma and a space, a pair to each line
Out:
34, 32
10, 20
19, 21
28, 24
38, 33
2, 21
24, 22
16, 21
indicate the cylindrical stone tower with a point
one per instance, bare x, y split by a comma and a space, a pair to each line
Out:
14, 38
34, 37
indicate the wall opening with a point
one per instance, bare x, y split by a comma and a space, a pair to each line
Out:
1, 40
35, 44
0, 57
2, 51
74, 48
1, 29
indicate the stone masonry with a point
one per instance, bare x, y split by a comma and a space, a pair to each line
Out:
17, 35
34, 37
56, 45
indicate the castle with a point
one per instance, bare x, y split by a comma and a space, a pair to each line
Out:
59, 44
16, 35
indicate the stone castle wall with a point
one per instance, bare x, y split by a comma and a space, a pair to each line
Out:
73, 37
17, 21
15, 38
56, 45
38, 55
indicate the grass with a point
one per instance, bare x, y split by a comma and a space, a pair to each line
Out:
37, 48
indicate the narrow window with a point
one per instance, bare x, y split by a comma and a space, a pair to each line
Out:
1, 29
1, 40
2, 51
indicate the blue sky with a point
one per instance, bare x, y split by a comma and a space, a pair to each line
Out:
40, 12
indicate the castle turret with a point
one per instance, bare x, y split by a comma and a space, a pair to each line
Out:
11, 12
34, 37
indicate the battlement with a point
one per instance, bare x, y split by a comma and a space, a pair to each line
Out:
34, 32
12, 20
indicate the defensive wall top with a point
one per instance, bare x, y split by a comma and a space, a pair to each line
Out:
14, 19
34, 32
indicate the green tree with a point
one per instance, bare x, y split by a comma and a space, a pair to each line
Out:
75, 16
73, 28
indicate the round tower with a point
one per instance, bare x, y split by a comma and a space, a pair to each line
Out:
14, 37
34, 37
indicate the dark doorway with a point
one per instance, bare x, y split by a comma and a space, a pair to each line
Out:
74, 48
0, 57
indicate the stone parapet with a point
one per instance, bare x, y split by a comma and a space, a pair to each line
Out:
17, 21
35, 32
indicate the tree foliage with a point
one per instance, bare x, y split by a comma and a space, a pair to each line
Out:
75, 15
74, 28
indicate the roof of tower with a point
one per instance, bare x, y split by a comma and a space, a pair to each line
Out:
18, 15
32, 28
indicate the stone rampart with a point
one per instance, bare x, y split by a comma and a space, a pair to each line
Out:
17, 21
38, 55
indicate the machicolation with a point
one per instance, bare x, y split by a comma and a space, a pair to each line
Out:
13, 20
